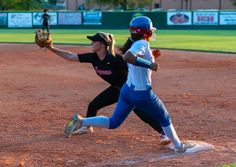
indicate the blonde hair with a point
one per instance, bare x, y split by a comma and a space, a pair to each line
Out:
110, 40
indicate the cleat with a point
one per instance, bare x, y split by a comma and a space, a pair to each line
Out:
73, 124
164, 140
83, 130
184, 147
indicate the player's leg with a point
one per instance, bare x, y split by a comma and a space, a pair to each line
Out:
147, 119
107, 97
122, 110
158, 110
153, 106
47, 27
43, 26
164, 140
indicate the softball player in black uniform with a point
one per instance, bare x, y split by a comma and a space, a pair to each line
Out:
46, 18
112, 69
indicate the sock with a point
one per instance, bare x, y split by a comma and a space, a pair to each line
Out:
171, 134
98, 121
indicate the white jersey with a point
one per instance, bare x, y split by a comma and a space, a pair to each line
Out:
140, 77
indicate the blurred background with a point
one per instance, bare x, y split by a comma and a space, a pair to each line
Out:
116, 14
116, 5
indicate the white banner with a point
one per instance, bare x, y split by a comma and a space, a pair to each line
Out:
179, 18
205, 18
69, 18
227, 18
37, 18
92, 18
19, 20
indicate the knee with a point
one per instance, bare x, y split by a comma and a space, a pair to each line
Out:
166, 121
91, 106
114, 123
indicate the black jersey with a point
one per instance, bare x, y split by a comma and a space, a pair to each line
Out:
45, 17
112, 68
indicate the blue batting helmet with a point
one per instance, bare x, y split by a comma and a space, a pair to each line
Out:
142, 25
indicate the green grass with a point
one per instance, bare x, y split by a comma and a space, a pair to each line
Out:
202, 40
228, 165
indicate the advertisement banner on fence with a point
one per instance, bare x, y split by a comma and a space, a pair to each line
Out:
3, 19
179, 18
92, 18
205, 18
227, 18
20, 20
37, 18
70, 18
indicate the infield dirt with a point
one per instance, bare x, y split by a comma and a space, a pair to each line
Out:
40, 91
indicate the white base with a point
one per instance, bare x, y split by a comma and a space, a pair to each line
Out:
152, 158
199, 146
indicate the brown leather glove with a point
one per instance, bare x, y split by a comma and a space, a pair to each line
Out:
42, 38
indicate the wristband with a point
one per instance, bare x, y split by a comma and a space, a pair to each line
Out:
142, 62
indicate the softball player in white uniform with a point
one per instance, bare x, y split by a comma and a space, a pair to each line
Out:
137, 91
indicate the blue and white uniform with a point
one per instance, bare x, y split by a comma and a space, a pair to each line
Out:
137, 91
139, 76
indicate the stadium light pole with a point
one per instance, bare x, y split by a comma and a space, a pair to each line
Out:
182, 4
76, 5
186, 4
150, 5
190, 4
67, 4
220, 4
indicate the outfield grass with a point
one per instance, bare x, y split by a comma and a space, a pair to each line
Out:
202, 40
230, 165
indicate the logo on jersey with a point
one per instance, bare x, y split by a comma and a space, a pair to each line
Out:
103, 72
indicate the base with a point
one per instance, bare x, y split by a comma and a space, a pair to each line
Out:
199, 146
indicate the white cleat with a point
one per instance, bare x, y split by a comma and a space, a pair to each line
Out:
83, 130
184, 146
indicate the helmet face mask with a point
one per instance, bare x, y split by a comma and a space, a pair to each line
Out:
142, 25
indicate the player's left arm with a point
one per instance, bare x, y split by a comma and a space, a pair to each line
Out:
139, 61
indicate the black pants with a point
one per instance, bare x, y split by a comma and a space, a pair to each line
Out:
110, 96
45, 26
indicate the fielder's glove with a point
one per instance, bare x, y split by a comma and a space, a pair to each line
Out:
43, 39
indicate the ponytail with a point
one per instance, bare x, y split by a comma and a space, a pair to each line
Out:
127, 45
111, 45
130, 41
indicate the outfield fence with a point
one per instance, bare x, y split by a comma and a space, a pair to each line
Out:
199, 19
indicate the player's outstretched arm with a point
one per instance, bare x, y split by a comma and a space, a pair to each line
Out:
44, 40
64, 54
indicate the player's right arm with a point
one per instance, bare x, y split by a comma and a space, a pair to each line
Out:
65, 54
